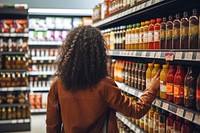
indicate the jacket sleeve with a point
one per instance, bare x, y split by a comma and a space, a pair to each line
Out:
123, 104
53, 117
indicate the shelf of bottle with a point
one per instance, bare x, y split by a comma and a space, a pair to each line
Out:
13, 11
40, 88
13, 70
14, 104
170, 55
15, 121
13, 34
131, 11
44, 58
13, 53
38, 111
41, 73
183, 112
14, 89
36, 43
131, 125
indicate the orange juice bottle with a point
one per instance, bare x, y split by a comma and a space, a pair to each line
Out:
148, 74
133, 36
154, 71
137, 33
145, 37
163, 76
141, 35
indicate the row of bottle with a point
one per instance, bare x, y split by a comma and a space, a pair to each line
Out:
43, 52
39, 82
13, 62
13, 97
19, 112
175, 85
123, 128
13, 44
156, 34
13, 79
160, 121
43, 67
38, 100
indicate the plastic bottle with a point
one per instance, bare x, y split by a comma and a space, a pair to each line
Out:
169, 123
156, 120
144, 68
163, 41
154, 71
169, 29
162, 122
157, 33
186, 127
198, 93
151, 113
176, 32
148, 74
151, 34
177, 124
141, 36
163, 76
137, 33
145, 37
184, 31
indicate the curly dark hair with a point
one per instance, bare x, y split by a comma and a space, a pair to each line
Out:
82, 58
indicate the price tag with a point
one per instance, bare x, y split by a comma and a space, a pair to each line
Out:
20, 121
125, 121
178, 55
148, 3
188, 55
158, 54
189, 115
158, 103
134, 53
169, 56
6, 34
4, 89
133, 9
136, 8
26, 120
125, 88
165, 106
144, 53
132, 91
137, 130
13, 121
198, 56
152, 54
10, 89
133, 127
13, 34
179, 112
197, 118
139, 7
143, 5
129, 124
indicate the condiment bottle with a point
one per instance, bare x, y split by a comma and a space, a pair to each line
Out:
120, 38
157, 33
148, 74
163, 34
194, 30
8, 62
198, 93
133, 36
151, 113
177, 124
137, 33
141, 35
112, 69
170, 84
127, 37
145, 38
156, 120
163, 77
189, 89
139, 84
144, 68
112, 39
162, 122
136, 75
151, 34
117, 38
133, 74
169, 28
179, 85
14, 114
3, 113
126, 72
186, 127
123, 37
176, 32
169, 123
129, 73
184, 31
23, 111
19, 112
154, 71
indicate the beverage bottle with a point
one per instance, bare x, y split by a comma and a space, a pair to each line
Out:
179, 85
170, 84
151, 118
133, 74
120, 38
156, 120
176, 32
127, 37
177, 124
117, 38
144, 68
169, 123
186, 127
142, 122
129, 73
189, 89
148, 74
163, 34
163, 76
151, 34
137, 33
154, 71
169, 28
141, 35
162, 122
123, 37
116, 70
184, 31
112, 69
145, 37
157, 33
112, 39
194, 30
139, 84
133, 36
198, 93
146, 122
126, 72
136, 75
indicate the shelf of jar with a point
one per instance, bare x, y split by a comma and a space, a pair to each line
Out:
44, 58
38, 111
40, 89
33, 43
170, 55
131, 125
41, 73
14, 89
13, 70
13, 34
183, 112
14, 104
13, 53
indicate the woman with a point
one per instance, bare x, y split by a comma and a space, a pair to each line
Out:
82, 95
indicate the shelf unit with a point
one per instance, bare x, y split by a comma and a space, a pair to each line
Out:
44, 58
38, 111
41, 43
13, 34
14, 89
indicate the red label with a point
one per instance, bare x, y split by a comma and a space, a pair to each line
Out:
198, 94
178, 91
169, 88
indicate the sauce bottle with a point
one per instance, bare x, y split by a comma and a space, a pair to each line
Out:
151, 34
157, 33
133, 74
148, 74
141, 36
179, 85
156, 120
14, 115
116, 70
176, 32
123, 37
120, 38
3, 113
139, 84
193, 30
177, 124
112, 69
162, 122
142, 123
154, 71
133, 36
170, 84
184, 31
144, 68
186, 127
198, 93
169, 123
117, 38
127, 37
169, 28
18, 112
112, 39
8, 62
189, 89
136, 75
145, 37
163, 77
163, 34
137, 32
151, 113
9, 113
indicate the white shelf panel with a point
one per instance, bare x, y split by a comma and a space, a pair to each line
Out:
14, 88
14, 121
42, 73
38, 110
14, 34
44, 58
39, 88
45, 43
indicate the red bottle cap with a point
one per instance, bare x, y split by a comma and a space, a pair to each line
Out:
159, 20
153, 21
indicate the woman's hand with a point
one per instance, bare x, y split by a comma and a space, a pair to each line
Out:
155, 81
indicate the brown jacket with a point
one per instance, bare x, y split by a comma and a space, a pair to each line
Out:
83, 111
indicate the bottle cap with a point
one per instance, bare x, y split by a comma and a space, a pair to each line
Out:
152, 20
156, 65
138, 24
133, 25
165, 66
164, 19
150, 65
177, 16
144, 65
146, 22
159, 20
170, 18
185, 13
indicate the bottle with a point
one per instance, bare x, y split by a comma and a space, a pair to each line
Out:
148, 74
9, 113
129, 73
176, 32
139, 84
177, 124
116, 70
169, 123
189, 89
112, 69
154, 71
169, 28
198, 93
141, 36
123, 37
3, 113
156, 120
193, 30
146, 122
142, 123
120, 38
137, 33
179, 85
117, 38
151, 113
133, 36
186, 127
144, 68
112, 39
136, 75
151, 34
170, 84
145, 38
127, 37
184, 31
157, 33
14, 114
133, 74
163, 76
126, 72
163, 34
162, 122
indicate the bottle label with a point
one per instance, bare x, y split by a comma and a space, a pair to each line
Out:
178, 91
169, 34
136, 38
145, 37
176, 32
169, 129
184, 31
161, 127
162, 34
150, 36
150, 122
141, 37
169, 88
185, 92
148, 81
198, 94
156, 36
194, 29
162, 86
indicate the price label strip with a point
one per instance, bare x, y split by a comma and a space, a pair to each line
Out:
152, 54
165, 106
179, 112
198, 56
178, 55
188, 55
158, 103
197, 118
144, 54
169, 56
132, 91
189, 115
158, 54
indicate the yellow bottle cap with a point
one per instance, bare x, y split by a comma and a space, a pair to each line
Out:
150, 65
165, 66
156, 65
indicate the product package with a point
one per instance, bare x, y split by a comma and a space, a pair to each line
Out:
50, 22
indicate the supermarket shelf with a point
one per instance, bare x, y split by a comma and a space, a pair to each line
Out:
46, 29
13, 11
13, 34
33, 43
38, 111
131, 125
44, 58
14, 121
42, 73
13, 70
39, 88
13, 53
15, 104
179, 55
183, 112
14, 89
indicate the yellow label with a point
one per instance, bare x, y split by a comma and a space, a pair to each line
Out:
176, 32
169, 33
162, 34
184, 31
194, 29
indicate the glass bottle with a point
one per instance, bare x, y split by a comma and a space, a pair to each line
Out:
144, 68
177, 124
139, 84
9, 113
3, 113
169, 123
136, 75
123, 37
186, 127
151, 112
184, 31
133, 74
151, 34
133, 36
169, 29
127, 37
157, 33
162, 122
148, 74
19, 112
163, 34
112, 37
14, 113
156, 120
176, 32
